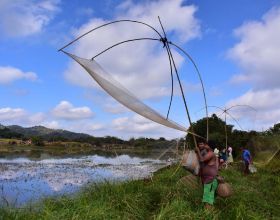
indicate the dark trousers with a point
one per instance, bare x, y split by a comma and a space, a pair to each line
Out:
246, 169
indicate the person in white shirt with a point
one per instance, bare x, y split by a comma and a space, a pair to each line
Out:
216, 152
230, 158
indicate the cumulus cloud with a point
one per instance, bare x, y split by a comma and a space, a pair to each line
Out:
265, 102
20, 116
11, 113
65, 110
10, 74
142, 67
134, 124
51, 124
262, 99
140, 126
26, 17
115, 108
89, 127
257, 53
124, 127
37, 118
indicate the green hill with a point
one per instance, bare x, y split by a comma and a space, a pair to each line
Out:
15, 131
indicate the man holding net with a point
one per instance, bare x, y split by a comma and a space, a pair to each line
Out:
208, 172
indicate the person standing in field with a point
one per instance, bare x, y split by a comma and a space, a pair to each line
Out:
223, 158
208, 172
216, 152
247, 159
230, 157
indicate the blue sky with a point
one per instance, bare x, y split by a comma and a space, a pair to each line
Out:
234, 43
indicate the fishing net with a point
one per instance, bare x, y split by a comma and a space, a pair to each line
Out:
121, 94
274, 162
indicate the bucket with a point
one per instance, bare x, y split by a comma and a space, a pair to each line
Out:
252, 168
224, 190
190, 162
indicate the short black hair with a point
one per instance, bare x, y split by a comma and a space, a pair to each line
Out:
202, 140
212, 144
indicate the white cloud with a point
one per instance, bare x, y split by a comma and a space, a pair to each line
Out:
134, 124
142, 67
37, 118
258, 52
11, 113
114, 107
65, 110
20, 116
51, 124
264, 101
26, 17
140, 126
123, 127
9, 74
89, 127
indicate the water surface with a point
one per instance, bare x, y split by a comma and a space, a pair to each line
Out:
25, 180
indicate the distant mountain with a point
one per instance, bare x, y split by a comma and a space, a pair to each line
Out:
46, 133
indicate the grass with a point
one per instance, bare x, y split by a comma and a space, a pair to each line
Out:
164, 197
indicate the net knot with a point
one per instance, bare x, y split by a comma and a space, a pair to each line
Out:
164, 41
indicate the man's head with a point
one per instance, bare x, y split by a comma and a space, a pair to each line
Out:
202, 144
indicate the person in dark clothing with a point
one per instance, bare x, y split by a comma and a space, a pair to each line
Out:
209, 171
247, 159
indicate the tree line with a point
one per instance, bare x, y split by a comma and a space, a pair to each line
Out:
253, 140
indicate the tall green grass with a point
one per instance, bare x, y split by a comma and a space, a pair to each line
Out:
164, 196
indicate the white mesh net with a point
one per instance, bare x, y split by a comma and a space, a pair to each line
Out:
121, 94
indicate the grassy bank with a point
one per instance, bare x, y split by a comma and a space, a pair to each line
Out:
164, 197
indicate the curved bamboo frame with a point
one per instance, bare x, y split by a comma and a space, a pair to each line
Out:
226, 112
202, 85
166, 44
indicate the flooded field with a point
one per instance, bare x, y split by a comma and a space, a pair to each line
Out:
24, 180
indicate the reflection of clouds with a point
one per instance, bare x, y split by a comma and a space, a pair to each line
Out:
58, 183
90, 160
37, 179
18, 171
9, 174
134, 172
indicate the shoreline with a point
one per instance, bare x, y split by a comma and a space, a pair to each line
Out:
163, 196
23, 180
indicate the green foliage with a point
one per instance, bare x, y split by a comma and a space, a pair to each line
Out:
274, 164
37, 141
162, 197
8, 133
275, 129
216, 127
254, 141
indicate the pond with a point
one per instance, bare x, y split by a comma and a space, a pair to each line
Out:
25, 180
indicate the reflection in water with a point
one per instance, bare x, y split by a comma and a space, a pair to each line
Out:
24, 180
